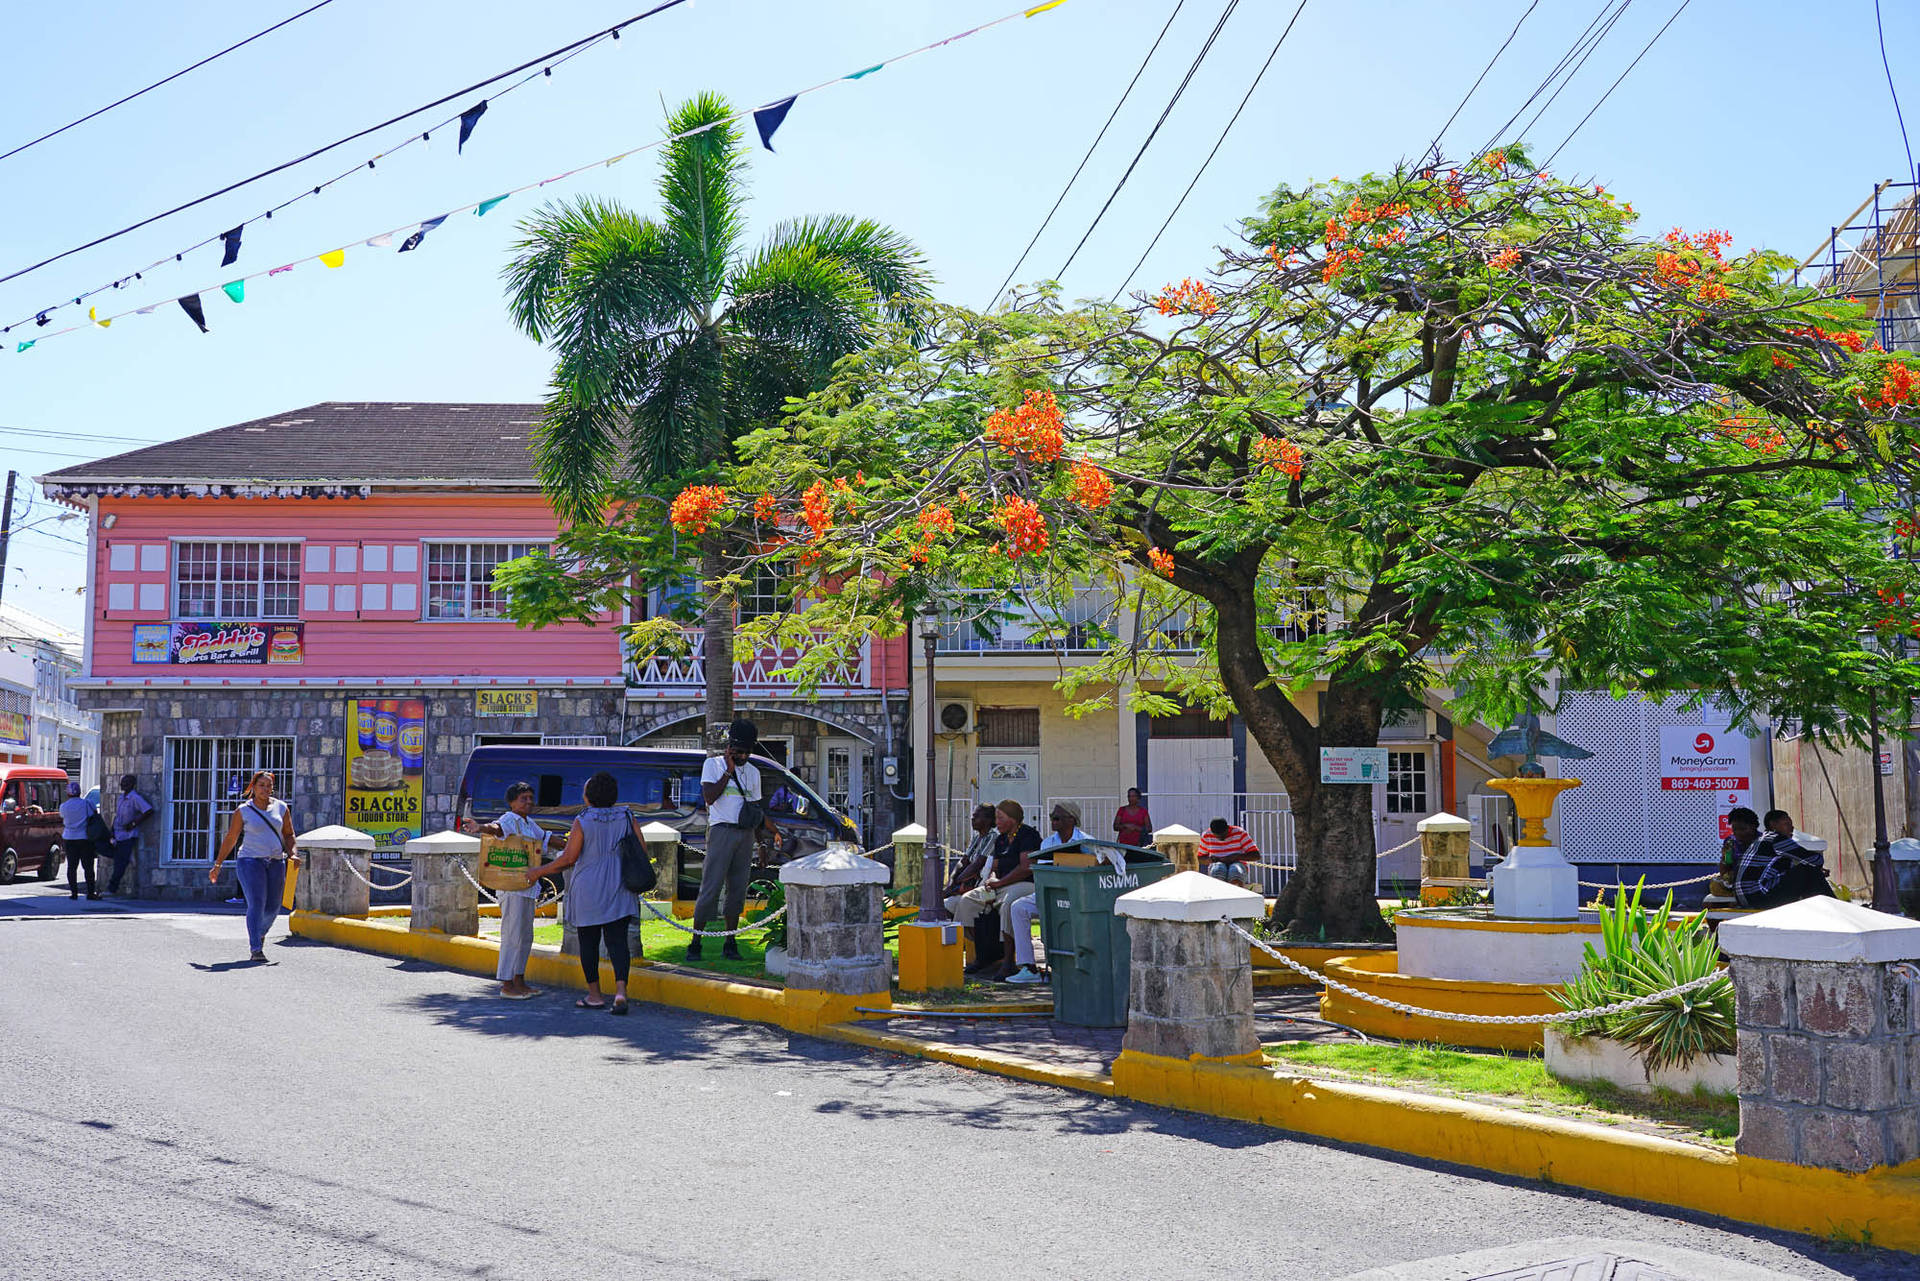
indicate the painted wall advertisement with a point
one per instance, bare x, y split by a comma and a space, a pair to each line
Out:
1695, 759
1353, 764
386, 760
205, 644
14, 729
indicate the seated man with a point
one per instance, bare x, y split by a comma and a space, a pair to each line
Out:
1225, 851
1009, 878
1744, 826
1064, 820
1777, 869
973, 864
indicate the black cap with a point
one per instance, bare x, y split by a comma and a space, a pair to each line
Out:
743, 733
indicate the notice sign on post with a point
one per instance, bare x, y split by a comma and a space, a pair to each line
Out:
1696, 759
1353, 764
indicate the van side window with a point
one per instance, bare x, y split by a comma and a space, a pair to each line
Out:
547, 791
49, 794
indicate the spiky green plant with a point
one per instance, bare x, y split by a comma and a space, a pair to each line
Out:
1648, 952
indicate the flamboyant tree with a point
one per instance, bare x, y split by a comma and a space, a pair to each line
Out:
1446, 432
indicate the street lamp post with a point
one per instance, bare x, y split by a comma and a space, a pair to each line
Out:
1886, 889
932, 908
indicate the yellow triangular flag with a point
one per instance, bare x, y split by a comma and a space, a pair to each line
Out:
93, 314
1042, 8
334, 258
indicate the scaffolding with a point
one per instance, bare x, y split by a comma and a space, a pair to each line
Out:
1875, 260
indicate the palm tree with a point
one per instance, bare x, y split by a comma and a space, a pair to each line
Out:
671, 339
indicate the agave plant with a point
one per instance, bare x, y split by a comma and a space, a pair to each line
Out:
1648, 952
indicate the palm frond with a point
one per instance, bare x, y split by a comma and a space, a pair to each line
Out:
890, 264
676, 422
800, 310
572, 449
703, 188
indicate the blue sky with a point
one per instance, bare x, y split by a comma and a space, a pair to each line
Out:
1768, 118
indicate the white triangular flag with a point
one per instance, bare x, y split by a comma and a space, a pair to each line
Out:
381, 241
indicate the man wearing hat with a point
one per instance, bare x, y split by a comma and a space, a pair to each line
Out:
730, 785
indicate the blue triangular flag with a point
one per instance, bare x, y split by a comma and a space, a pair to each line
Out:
468, 119
231, 242
413, 242
768, 119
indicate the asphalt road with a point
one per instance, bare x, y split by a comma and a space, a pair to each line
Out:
175, 1114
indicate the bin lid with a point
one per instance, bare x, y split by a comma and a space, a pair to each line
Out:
1905, 849
1094, 845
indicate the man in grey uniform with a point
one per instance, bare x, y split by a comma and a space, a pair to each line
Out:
730, 785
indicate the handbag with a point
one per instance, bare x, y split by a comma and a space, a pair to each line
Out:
636, 867
98, 832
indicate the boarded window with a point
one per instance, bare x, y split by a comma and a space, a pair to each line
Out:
1009, 726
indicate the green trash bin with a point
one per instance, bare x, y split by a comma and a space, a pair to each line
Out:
1087, 945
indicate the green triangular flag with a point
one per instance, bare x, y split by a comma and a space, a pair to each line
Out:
485, 205
869, 71
235, 289
23, 346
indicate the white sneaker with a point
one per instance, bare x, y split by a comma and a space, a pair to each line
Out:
1026, 974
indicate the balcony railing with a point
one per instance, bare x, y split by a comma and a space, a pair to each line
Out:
767, 672
985, 622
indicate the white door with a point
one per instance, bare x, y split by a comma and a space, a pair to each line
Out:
1191, 781
841, 783
1011, 775
1400, 801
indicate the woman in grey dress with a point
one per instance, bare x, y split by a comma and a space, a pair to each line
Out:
598, 905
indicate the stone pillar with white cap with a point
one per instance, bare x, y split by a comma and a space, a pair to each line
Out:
1180, 846
329, 859
1827, 1001
1190, 986
836, 949
1446, 856
445, 901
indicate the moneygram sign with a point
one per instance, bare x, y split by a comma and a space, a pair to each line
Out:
1693, 759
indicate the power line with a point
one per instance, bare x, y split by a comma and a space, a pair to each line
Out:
1044, 222
1233, 120
1152, 133
1573, 73
1616, 84
76, 435
1573, 50
1433, 148
341, 142
169, 80
1880, 27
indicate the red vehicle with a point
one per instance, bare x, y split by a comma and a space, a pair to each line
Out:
30, 826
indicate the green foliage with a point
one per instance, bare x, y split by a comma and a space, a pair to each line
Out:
1647, 952
774, 894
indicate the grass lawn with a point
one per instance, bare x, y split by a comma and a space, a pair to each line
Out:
664, 943
1517, 1081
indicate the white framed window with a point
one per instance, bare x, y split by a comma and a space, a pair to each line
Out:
460, 578
206, 781
1406, 782
237, 581
762, 594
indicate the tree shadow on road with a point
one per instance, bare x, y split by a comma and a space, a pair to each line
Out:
651, 1033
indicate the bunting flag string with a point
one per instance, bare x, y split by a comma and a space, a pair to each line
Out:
775, 111
230, 240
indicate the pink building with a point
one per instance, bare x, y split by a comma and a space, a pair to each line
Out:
311, 593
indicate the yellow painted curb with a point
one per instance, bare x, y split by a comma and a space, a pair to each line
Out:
967, 1056
1883, 1204
1267, 972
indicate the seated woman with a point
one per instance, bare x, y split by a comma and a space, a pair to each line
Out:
1011, 879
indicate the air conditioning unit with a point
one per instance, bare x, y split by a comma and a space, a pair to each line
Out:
955, 716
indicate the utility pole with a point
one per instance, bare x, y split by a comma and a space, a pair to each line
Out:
6, 530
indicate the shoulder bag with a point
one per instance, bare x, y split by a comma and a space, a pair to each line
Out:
636, 867
98, 832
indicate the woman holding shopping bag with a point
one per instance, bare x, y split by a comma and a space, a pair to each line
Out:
262, 831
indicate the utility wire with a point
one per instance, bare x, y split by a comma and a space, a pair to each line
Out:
1573, 73
1044, 222
1152, 133
169, 80
1572, 51
341, 142
75, 435
1233, 120
1616, 84
1912, 173
1433, 148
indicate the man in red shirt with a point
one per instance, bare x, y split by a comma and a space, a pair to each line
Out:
1225, 851
1132, 825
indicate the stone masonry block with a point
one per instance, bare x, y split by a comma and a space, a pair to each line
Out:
1793, 1070
1751, 1057
1900, 997
1903, 1135
1767, 1131
1862, 1078
1837, 1000
1841, 1140
1761, 992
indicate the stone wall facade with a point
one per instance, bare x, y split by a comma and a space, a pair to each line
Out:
1829, 1062
137, 723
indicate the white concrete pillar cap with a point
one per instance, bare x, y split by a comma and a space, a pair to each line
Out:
658, 833
1822, 929
838, 864
1191, 896
444, 843
1443, 822
333, 837
1174, 834
911, 834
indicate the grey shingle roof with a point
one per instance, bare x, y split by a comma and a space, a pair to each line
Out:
337, 443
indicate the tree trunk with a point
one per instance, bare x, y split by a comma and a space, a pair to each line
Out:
718, 621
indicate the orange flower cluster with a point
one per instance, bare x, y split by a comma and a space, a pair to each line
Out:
1505, 259
1189, 295
766, 510
1906, 528
1162, 560
1495, 160
1025, 527
1281, 455
1359, 215
1456, 197
1844, 338
695, 507
816, 510
1283, 261
1337, 263
1091, 486
1034, 428
1694, 265
1897, 387
1345, 243
934, 522
1754, 434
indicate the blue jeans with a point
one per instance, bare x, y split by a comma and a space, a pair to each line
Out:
262, 881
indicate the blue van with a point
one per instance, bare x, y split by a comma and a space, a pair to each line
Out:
660, 785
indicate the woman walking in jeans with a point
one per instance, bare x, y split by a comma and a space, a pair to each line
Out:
262, 829
599, 905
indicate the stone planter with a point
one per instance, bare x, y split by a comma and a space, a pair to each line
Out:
776, 962
1599, 1058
